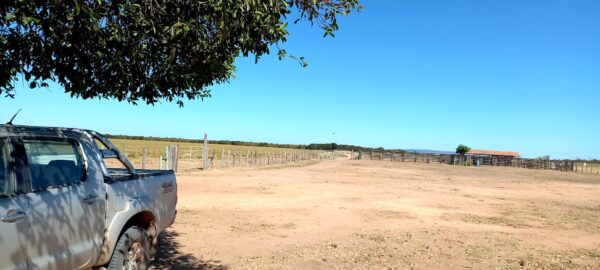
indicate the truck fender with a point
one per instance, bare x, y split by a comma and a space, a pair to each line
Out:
137, 207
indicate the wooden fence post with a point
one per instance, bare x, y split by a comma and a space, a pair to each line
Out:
228, 157
190, 158
172, 157
205, 153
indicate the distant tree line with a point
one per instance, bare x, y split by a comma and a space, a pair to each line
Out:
313, 146
342, 147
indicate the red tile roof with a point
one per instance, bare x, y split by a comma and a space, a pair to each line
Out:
493, 153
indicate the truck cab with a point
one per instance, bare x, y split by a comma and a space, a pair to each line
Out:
63, 207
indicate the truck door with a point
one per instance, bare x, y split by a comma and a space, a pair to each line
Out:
66, 205
14, 224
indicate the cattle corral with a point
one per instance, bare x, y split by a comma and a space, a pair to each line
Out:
363, 214
577, 166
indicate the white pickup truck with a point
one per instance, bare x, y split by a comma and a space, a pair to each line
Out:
63, 207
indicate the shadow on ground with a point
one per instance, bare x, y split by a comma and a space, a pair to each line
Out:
169, 256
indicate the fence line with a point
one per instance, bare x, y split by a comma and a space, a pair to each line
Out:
195, 157
468, 160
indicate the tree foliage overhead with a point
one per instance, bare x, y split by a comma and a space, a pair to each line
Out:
462, 149
146, 50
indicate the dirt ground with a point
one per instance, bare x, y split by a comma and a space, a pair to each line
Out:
348, 214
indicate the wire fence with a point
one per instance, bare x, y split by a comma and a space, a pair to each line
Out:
584, 167
193, 157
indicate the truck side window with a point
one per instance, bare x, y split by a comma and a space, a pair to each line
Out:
53, 163
5, 173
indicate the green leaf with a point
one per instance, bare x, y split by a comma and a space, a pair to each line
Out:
10, 17
27, 19
77, 7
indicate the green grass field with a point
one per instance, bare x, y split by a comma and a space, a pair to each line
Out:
135, 148
190, 154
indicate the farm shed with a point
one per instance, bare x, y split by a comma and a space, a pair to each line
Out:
492, 157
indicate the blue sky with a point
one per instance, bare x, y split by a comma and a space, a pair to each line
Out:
516, 75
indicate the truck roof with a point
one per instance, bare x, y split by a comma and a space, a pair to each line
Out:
12, 129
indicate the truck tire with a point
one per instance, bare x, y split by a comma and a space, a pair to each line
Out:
131, 252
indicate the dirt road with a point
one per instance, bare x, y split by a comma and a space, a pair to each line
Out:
347, 214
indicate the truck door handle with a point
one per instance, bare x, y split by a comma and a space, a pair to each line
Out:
90, 199
13, 217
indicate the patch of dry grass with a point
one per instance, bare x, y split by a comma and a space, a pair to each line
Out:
493, 220
557, 215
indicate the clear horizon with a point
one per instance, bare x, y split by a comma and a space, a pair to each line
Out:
511, 75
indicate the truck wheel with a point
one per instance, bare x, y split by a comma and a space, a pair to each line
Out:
131, 252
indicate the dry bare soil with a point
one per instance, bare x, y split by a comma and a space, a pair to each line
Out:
348, 214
